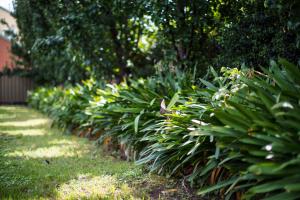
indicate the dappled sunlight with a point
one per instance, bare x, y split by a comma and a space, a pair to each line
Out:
62, 141
7, 116
103, 94
86, 186
11, 108
29, 132
40, 162
47, 152
30, 122
23, 111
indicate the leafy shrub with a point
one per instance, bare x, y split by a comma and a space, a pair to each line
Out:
133, 107
66, 106
259, 135
235, 135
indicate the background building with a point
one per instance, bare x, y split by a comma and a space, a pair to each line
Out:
6, 57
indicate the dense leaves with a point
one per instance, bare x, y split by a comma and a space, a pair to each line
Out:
257, 31
260, 133
234, 133
68, 41
237, 134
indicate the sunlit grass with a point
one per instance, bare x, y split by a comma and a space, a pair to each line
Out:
86, 186
41, 163
32, 132
46, 152
30, 122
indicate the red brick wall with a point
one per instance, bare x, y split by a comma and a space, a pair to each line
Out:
5, 54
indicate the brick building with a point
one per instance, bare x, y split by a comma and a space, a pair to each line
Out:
6, 57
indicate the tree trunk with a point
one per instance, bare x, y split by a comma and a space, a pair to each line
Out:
121, 57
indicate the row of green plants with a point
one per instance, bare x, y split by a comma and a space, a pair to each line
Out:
235, 136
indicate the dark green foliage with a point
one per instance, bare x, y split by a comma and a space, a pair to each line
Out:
66, 106
232, 134
132, 107
72, 40
260, 132
186, 31
236, 134
256, 31
69, 41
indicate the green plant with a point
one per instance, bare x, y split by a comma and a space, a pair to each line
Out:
174, 147
130, 108
66, 106
259, 135
235, 135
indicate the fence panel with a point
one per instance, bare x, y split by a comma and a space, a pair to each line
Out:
13, 89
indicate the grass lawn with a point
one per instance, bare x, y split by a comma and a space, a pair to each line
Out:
39, 162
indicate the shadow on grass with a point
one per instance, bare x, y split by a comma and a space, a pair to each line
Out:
37, 162
62, 170
18, 114
40, 162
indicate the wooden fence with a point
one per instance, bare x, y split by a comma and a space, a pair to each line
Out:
13, 89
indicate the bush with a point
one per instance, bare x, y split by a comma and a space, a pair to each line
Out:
65, 105
235, 135
259, 135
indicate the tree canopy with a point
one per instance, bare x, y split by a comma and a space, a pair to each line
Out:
71, 40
